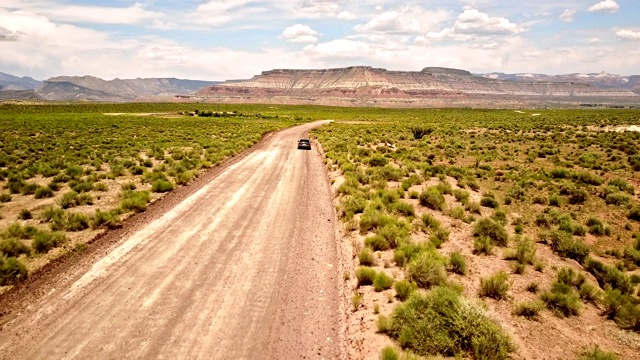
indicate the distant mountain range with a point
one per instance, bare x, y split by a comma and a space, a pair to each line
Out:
89, 88
351, 86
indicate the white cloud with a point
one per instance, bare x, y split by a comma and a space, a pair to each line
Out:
219, 12
472, 21
568, 15
605, 6
628, 34
341, 48
403, 21
300, 34
346, 15
323, 9
134, 14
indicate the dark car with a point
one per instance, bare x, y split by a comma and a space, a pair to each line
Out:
304, 144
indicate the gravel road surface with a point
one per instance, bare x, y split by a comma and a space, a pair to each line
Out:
246, 267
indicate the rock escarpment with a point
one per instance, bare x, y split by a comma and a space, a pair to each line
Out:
366, 86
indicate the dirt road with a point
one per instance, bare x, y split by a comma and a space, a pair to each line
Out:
244, 268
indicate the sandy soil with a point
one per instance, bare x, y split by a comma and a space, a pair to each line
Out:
245, 266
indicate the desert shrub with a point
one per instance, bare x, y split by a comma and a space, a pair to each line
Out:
589, 293
474, 208
365, 257
389, 353
487, 227
356, 300
76, 222
482, 245
565, 245
135, 201
562, 299
634, 213
532, 287
458, 263
50, 214
588, 178
500, 217
622, 185
609, 276
457, 212
596, 227
128, 186
461, 195
430, 222
618, 199
44, 241
529, 309
596, 353
427, 270
445, 323
373, 219
382, 281
100, 186
383, 323
525, 251
432, 198
578, 196
161, 186
376, 242
555, 200
495, 286
43, 192
439, 236
24, 214
420, 131
29, 188
623, 309
365, 275
5, 198
404, 289
68, 200
395, 233
489, 202
404, 208
11, 271
352, 205
108, 219
378, 161
13, 247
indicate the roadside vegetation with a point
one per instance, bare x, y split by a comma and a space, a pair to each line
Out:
68, 172
473, 210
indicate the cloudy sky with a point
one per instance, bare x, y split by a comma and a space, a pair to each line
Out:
233, 39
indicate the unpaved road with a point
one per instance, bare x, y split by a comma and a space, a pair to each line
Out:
244, 268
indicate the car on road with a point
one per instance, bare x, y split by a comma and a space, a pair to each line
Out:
304, 144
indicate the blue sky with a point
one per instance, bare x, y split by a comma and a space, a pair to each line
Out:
231, 39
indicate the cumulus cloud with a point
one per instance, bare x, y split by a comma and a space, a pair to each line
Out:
473, 21
219, 12
323, 8
300, 34
341, 48
605, 6
568, 15
403, 21
628, 34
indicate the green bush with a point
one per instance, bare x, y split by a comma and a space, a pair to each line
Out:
565, 245
482, 245
44, 241
382, 281
609, 276
24, 214
489, 202
596, 353
525, 251
365, 275
445, 323
529, 309
105, 219
404, 289
562, 299
622, 185
365, 257
462, 196
427, 270
13, 247
5, 198
135, 201
495, 287
432, 198
389, 353
76, 222
458, 263
11, 271
634, 213
161, 186
487, 227
623, 309
68, 200
43, 192
376, 242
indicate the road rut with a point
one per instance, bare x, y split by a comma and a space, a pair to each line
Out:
245, 268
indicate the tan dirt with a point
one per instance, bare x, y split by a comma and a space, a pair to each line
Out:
245, 267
